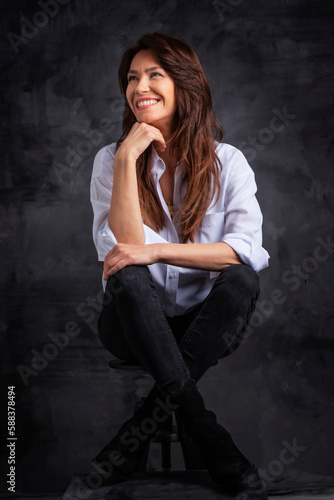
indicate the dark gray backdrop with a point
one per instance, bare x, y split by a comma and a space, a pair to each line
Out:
270, 67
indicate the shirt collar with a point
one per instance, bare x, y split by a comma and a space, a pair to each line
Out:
158, 166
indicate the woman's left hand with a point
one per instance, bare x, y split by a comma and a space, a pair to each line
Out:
124, 254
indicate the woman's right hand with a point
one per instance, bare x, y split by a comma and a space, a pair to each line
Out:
139, 138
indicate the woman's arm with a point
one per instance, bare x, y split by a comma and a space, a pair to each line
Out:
124, 218
207, 256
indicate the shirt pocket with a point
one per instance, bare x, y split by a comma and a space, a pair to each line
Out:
211, 229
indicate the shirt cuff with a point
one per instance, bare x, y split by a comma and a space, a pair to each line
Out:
251, 253
105, 241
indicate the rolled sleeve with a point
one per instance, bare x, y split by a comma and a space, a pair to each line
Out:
250, 253
103, 236
243, 216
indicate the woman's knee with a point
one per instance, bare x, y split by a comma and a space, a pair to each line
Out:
243, 278
126, 276
132, 283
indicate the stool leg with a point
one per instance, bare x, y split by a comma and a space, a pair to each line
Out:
166, 461
166, 457
191, 456
143, 462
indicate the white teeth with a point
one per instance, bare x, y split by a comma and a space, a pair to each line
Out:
146, 103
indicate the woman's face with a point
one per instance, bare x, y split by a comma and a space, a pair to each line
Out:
151, 92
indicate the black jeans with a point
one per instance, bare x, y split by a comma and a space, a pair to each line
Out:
133, 327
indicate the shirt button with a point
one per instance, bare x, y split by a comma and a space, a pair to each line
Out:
172, 275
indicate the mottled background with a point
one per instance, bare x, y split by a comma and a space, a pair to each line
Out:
270, 67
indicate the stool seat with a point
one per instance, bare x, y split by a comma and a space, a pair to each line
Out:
166, 437
119, 364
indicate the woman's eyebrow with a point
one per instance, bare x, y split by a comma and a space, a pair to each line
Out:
133, 71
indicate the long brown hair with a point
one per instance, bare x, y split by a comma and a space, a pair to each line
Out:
194, 137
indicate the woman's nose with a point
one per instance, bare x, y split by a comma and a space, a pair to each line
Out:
142, 85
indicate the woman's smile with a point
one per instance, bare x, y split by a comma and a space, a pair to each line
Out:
146, 103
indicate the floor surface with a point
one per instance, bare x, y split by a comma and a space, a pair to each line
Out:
196, 485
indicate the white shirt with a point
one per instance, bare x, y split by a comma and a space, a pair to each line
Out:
235, 219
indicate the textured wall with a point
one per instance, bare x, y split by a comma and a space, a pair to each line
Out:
270, 67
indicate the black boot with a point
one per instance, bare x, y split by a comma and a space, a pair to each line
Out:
225, 463
121, 457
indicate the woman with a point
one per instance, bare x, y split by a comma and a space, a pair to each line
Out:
178, 227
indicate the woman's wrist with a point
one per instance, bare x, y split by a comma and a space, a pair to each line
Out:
159, 252
123, 155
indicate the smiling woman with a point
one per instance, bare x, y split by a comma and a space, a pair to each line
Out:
186, 121
177, 223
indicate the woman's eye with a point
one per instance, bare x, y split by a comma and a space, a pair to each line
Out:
152, 75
